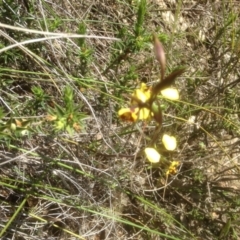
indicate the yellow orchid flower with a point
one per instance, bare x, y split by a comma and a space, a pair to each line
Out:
152, 155
134, 114
169, 142
172, 169
170, 93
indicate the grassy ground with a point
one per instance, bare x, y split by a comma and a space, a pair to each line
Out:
70, 168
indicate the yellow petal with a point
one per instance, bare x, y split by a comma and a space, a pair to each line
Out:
170, 93
123, 111
152, 155
143, 87
172, 169
144, 114
169, 142
143, 93
146, 90
128, 114
140, 95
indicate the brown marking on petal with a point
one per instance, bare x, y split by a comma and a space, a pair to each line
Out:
129, 116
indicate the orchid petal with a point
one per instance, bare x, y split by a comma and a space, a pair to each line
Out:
170, 93
152, 155
169, 142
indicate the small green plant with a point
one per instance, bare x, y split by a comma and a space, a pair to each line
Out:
85, 52
196, 214
198, 175
40, 98
67, 117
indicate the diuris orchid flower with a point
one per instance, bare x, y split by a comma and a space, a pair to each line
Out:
135, 112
